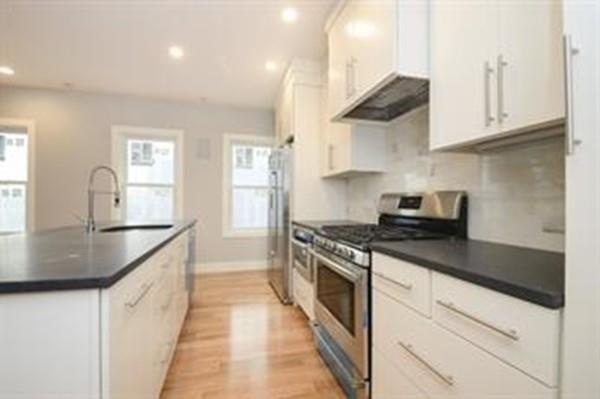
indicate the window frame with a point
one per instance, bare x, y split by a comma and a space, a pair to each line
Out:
229, 140
120, 135
29, 125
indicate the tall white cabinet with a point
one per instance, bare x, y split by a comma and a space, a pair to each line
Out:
299, 113
581, 341
496, 70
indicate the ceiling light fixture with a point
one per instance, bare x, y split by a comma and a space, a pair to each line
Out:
289, 15
270, 66
176, 52
6, 70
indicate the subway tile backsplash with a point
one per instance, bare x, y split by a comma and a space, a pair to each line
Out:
516, 194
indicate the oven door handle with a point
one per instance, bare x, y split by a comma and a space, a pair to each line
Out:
349, 274
299, 243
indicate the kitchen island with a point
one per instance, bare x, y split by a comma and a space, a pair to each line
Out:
91, 315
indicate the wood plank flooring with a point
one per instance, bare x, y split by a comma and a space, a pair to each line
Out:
239, 342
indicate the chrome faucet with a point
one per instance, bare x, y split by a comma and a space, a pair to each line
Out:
90, 223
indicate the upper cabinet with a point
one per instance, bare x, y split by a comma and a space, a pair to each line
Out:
378, 59
496, 70
352, 150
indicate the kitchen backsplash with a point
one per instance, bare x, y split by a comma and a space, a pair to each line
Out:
516, 194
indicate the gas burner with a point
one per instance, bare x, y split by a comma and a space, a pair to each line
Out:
363, 234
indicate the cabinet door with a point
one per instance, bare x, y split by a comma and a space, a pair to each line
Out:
529, 64
339, 57
390, 383
287, 111
462, 98
338, 148
371, 32
581, 339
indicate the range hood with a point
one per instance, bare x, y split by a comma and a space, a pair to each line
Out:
395, 98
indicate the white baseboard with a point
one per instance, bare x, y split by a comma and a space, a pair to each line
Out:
236, 266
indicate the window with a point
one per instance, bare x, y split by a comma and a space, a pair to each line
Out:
149, 165
246, 185
16, 205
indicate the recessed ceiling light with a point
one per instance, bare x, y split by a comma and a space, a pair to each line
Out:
176, 52
6, 70
289, 15
270, 66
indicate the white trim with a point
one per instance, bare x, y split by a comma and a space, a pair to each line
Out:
119, 132
228, 139
226, 267
29, 124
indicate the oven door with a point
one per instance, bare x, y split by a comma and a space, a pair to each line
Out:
341, 291
302, 258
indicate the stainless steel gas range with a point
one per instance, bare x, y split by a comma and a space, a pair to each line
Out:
342, 261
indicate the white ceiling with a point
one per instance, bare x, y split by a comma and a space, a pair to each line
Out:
122, 46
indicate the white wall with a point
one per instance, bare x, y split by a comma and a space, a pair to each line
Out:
514, 193
74, 134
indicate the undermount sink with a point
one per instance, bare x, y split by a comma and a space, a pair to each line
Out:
115, 229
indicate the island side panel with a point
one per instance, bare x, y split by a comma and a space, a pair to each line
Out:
50, 345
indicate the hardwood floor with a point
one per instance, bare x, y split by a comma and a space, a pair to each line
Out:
239, 342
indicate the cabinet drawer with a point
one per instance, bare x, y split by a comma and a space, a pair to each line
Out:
304, 295
390, 383
403, 281
441, 363
518, 332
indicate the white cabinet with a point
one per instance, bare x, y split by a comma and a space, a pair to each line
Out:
353, 149
304, 295
300, 110
141, 318
520, 333
391, 383
442, 364
496, 70
581, 339
370, 44
473, 343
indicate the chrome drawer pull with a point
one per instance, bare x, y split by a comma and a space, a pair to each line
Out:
509, 333
136, 301
406, 286
448, 379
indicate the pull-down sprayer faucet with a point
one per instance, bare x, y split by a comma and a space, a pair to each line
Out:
90, 223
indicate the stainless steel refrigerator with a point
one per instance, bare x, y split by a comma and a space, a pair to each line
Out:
280, 268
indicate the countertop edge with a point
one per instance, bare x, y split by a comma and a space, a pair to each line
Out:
68, 284
546, 300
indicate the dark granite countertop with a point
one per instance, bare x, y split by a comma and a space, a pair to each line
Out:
533, 275
68, 258
316, 225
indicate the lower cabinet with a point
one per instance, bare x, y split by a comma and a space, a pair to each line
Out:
140, 322
391, 383
304, 295
445, 354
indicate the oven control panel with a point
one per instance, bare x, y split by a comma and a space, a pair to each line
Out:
343, 251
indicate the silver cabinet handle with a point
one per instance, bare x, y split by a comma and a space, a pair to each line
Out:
145, 289
507, 332
353, 62
406, 286
568, 52
348, 79
448, 379
330, 156
500, 64
487, 108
